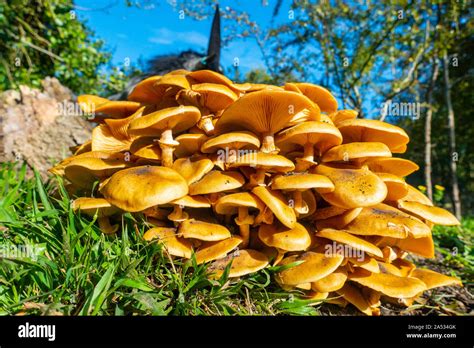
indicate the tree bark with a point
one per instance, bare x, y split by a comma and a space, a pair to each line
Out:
429, 114
452, 138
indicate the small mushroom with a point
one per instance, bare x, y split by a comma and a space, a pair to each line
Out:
367, 263
264, 163
144, 91
178, 215
216, 182
146, 148
315, 266
175, 245
210, 98
414, 195
105, 155
84, 171
319, 95
423, 246
436, 215
434, 279
159, 90
309, 135
111, 109
356, 152
165, 122
119, 127
210, 251
298, 183
316, 296
397, 188
353, 295
99, 206
104, 140
138, 188
342, 115
331, 282
356, 130
406, 267
397, 166
189, 144
309, 200
388, 284
82, 148
209, 76
203, 230
276, 202
193, 169
245, 262
229, 145
284, 238
240, 203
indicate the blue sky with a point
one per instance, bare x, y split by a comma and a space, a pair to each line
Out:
134, 33
141, 33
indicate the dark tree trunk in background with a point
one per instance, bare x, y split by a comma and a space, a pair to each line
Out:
452, 138
429, 114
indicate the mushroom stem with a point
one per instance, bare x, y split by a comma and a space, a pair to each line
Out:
308, 152
177, 214
268, 144
305, 162
244, 220
245, 234
167, 145
300, 205
105, 226
258, 178
206, 124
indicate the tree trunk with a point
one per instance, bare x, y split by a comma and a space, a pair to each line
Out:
429, 114
452, 138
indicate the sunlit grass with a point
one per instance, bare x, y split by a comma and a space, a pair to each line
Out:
59, 263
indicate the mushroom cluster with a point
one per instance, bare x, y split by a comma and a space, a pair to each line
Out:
257, 175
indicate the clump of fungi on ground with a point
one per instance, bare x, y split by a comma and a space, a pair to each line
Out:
258, 175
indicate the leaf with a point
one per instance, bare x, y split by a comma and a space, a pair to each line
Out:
99, 293
150, 303
133, 283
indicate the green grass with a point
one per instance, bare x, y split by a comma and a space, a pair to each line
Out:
74, 269
68, 267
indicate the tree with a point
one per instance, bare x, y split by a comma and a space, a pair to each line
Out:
41, 38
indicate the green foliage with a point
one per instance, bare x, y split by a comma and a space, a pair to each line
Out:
261, 76
456, 245
42, 38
